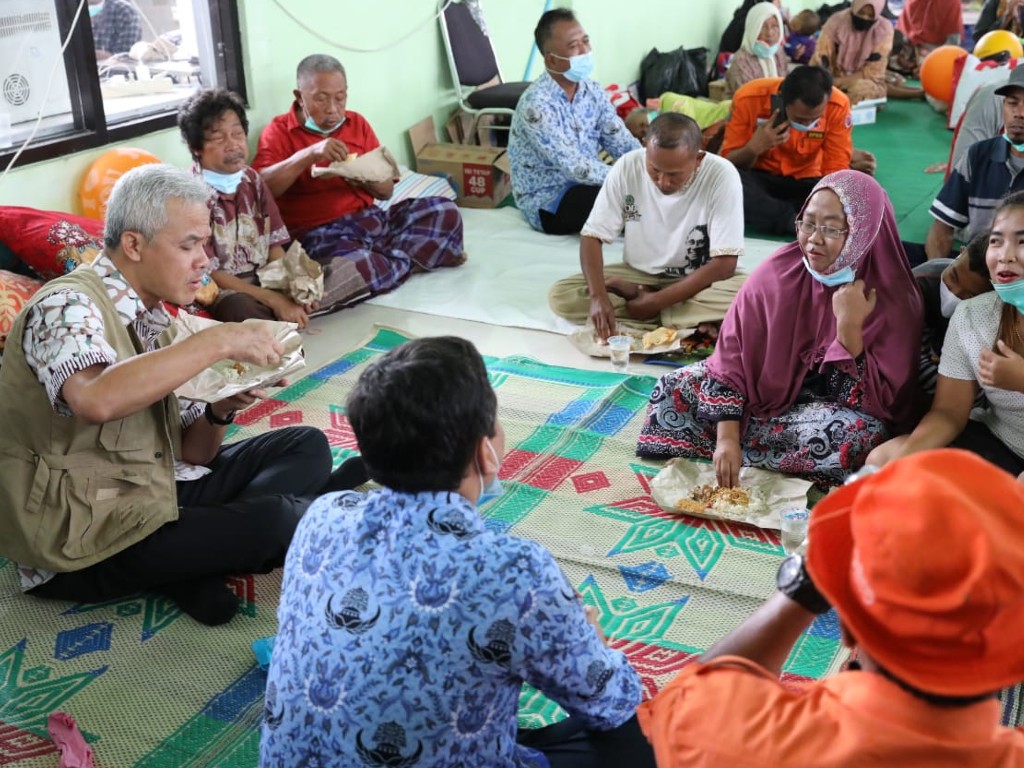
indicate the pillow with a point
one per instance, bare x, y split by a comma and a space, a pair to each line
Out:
15, 291
414, 184
52, 243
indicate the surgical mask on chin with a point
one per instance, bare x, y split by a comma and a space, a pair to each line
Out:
947, 300
804, 128
1011, 293
226, 183
764, 51
324, 131
580, 67
1018, 147
862, 25
95, 10
842, 277
494, 488
311, 124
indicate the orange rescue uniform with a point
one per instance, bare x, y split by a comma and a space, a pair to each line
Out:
811, 154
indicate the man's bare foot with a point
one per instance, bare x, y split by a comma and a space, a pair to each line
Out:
622, 287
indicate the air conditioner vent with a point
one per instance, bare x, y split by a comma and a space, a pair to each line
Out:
20, 23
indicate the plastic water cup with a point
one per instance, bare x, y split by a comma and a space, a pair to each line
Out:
620, 347
794, 528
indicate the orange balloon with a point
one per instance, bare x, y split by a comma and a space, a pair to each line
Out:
937, 72
104, 172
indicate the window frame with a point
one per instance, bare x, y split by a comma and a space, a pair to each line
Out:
89, 126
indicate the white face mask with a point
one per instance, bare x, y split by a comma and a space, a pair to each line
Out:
947, 300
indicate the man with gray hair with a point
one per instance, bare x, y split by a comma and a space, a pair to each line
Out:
364, 249
111, 485
682, 212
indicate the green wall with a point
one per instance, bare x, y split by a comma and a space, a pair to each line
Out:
397, 87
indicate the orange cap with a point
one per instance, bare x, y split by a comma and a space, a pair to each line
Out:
924, 561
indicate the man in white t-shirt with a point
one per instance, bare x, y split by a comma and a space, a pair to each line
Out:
682, 212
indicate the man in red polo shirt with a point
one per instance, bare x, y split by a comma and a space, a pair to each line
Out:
783, 135
365, 249
924, 563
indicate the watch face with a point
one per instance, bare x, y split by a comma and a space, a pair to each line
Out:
789, 571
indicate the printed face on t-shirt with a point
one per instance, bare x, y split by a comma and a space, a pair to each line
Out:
697, 247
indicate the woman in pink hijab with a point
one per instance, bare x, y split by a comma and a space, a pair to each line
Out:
854, 47
817, 359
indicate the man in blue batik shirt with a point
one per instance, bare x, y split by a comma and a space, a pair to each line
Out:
407, 627
561, 122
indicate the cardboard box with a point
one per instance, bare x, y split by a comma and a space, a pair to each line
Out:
716, 90
479, 175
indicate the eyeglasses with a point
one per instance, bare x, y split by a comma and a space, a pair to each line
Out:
830, 232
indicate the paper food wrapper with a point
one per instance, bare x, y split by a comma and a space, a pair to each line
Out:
375, 165
229, 377
295, 274
770, 492
587, 341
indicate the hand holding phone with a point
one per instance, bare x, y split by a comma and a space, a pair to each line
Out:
778, 109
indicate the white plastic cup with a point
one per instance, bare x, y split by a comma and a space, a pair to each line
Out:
794, 528
620, 347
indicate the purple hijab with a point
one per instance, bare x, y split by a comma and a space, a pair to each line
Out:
781, 325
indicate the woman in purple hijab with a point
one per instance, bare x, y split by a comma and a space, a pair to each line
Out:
817, 359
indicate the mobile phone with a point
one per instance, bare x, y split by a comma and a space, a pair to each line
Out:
778, 107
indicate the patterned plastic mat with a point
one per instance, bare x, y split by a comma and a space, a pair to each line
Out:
149, 687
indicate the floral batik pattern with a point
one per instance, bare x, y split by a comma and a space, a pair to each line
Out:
822, 437
406, 632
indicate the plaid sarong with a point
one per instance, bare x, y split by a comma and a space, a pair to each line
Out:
372, 251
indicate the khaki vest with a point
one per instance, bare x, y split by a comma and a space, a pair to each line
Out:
71, 493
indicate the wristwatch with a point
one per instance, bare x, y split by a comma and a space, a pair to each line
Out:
795, 583
215, 420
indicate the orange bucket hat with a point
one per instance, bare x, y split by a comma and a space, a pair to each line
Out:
924, 561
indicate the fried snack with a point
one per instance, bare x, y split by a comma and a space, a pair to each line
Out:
207, 294
659, 336
350, 157
690, 506
238, 367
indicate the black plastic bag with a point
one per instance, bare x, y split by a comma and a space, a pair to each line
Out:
679, 71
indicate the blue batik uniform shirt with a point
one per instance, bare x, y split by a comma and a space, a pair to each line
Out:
406, 631
554, 143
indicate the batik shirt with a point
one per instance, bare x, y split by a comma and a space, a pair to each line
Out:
64, 335
554, 143
117, 27
244, 226
406, 631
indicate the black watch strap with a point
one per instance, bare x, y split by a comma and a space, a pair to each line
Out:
795, 583
218, 422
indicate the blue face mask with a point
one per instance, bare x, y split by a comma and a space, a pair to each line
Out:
764, 51
804, 128
494, 488
95, 10
842, 277
1011, 293
580, 67
226, 183
1018, 147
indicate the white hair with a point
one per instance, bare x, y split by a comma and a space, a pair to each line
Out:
138, 202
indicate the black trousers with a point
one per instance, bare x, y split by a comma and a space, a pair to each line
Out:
771, 203
977, 438
572, 211
238, 519
567, 744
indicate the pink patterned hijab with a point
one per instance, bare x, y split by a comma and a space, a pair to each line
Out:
781, 325
853, 47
